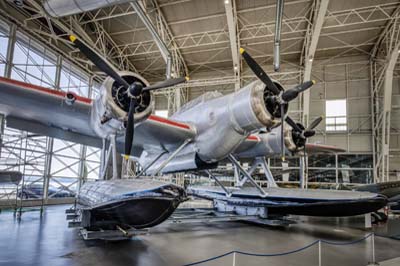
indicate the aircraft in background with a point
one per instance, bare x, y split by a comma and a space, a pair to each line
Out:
390, 189
10, 177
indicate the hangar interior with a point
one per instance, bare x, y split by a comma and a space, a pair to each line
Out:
350, 48
348, 64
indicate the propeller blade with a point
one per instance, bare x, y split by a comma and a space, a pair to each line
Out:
308, 133
166, 83
98, 60
291, 94
130, 129
259, 72
315, 123
293, 124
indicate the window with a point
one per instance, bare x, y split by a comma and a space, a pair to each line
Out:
3, 47
33, 63
336, 115
74, 80
162, 113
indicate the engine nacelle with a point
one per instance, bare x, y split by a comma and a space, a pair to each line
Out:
251, 108
223, 122
272, 141
111, 108
270, 144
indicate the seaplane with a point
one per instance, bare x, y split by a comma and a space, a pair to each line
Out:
205, 131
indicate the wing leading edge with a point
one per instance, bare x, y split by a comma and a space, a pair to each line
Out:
44, 111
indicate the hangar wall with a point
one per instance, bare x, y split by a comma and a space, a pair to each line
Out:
338, 78
52, 168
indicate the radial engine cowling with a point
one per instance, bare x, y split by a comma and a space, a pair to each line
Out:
224, 121
111, 109
253, 107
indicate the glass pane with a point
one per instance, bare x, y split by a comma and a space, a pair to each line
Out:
355, 160
74, 80
32, 188
321, 175
335, 108
341, 120
355, 176
323, 160
330, 120
60, 187
286, 175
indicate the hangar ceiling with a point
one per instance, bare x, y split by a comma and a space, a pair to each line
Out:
197, 33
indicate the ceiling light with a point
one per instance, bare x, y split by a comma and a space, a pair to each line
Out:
310, 59
235, 68
226, 2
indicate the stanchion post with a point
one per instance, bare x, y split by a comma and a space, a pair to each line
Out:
234, 259
373, 249
319, 253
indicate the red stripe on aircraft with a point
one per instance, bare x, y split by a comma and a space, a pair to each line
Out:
169, 122
323, 146
253, 138
42, 89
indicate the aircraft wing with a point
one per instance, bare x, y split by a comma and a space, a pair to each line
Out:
44, 111
160, 135
322, 148
248, 143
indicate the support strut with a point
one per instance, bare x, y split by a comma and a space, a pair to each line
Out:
247, 175
267, 172
111, 152
149, 165
172, 156
227, 193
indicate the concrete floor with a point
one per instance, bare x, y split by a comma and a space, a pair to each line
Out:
46, 240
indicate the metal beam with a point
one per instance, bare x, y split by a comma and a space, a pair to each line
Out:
383, 61
10, 50
102, 40
311, 41
149, 25
230, 8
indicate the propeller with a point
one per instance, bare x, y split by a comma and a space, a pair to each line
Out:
133, 90
280, 97
301, 134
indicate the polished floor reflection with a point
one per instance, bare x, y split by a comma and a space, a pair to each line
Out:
46, 240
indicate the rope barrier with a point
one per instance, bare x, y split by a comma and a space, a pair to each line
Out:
283, 253
346, 243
